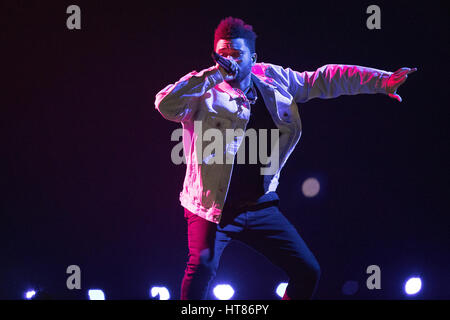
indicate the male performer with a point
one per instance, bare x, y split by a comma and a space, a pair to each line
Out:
225, 200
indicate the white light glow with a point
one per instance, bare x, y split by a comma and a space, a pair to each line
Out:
281, 289
413, 285
30, 294
223, 292
96, 294
163, 293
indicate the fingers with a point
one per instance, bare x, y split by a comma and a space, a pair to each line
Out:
221, 70
396, 80
400, 82
235, 66
404, 71
401, 72
395, 96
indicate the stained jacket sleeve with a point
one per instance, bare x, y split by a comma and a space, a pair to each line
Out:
176, 102
333, 80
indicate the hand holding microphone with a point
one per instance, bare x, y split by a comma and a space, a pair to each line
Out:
227, 67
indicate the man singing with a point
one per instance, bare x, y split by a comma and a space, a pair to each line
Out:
225, 199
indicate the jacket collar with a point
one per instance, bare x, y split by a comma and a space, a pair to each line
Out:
258, 76
225, 87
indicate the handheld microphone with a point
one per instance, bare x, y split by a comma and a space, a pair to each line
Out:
224, 63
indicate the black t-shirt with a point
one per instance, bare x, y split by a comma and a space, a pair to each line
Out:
247, 184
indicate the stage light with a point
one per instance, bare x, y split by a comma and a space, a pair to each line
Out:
161, 292
310, 187
30, 294
281, 289
413, 285
223, 291
96, 294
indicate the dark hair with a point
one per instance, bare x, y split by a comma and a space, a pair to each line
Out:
232, 28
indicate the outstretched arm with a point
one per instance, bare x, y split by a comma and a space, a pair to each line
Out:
333, 80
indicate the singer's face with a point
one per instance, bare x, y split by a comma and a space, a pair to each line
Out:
238, 50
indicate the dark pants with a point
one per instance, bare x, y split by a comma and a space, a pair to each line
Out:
264, 229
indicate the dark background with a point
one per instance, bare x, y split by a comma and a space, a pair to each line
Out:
86, 176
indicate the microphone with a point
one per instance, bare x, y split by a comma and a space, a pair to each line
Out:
224, 63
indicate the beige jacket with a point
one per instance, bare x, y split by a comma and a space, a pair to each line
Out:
203, 100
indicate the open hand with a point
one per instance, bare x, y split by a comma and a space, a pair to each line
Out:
396, 80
